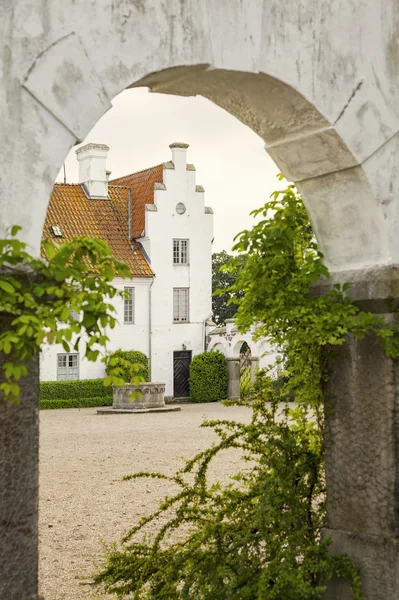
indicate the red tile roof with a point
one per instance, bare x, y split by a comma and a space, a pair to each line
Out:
142, 186
107, 219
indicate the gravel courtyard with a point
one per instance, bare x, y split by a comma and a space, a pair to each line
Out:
83, 457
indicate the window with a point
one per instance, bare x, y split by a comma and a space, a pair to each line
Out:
180, 252
180, 305
67, 367
128, 316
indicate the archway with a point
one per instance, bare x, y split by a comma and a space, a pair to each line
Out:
328, 118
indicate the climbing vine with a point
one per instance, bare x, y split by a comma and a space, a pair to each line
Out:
40, 298
258, 537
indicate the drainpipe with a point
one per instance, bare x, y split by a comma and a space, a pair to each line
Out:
150, 328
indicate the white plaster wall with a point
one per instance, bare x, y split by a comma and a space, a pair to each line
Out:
128, 336
162, 226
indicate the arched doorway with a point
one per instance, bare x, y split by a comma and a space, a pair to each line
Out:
329, 121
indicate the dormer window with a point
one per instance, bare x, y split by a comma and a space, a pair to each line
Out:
56, 231
180, 252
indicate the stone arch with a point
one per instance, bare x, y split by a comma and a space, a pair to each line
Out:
220, 345
64, 81
237, 345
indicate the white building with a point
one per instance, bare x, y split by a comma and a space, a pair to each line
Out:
155, 221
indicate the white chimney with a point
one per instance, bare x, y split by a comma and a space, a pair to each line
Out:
93, 174
179, 154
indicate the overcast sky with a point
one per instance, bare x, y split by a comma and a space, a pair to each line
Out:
230, 160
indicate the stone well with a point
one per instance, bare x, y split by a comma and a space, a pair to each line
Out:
152, 395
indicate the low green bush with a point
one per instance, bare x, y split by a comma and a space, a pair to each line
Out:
69, 390
208, 377
76, 402
135, 357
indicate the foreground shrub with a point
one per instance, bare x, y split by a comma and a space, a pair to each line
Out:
76, 402
132, 364
70, 390
256, 537
208, 377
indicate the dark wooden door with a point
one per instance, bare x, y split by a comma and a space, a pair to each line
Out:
181, 373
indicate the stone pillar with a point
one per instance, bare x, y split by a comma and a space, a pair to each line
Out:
19, 460
233, 370
362, 448
254, 366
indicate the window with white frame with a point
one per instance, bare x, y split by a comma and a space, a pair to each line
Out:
128, 313
67, 367
180, 305
180, 252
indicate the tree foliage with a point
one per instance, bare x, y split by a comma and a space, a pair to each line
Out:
37, 297
221, 283
259, 537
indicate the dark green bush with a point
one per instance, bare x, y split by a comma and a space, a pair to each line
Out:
134, 357
208, 377
70, 390
76, 402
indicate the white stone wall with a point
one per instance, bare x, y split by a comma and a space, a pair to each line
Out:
296, 72
229, 341
130, 336
162, 226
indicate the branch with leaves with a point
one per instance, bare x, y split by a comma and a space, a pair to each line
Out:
37, 297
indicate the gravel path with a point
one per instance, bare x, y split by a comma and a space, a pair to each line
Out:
82, 500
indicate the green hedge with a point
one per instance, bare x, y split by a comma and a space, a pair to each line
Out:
70, 390
75, 402
208, 377
135, 357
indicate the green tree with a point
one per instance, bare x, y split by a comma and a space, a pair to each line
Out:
222, 281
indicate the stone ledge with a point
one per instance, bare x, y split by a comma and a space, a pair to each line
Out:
136, 411
374, 289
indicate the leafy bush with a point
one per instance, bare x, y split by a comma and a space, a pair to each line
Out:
76, 402
138, 361
256, 537
69, 390
208, 377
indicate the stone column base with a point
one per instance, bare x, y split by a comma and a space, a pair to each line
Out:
378, 558
233, 370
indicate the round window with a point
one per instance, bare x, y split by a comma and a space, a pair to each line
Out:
180, 208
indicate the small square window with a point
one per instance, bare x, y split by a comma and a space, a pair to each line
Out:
128, 310
180, 252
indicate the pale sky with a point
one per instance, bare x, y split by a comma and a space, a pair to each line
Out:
231, 163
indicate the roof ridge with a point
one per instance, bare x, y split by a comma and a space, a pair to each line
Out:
137, 172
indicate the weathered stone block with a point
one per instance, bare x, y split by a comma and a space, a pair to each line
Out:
151, 395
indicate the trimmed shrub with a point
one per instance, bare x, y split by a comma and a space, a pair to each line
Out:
76, 402
134, 357
208, 377
70, 390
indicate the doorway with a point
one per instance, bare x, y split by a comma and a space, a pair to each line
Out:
181, 373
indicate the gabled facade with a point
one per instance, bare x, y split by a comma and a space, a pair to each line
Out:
156, 221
